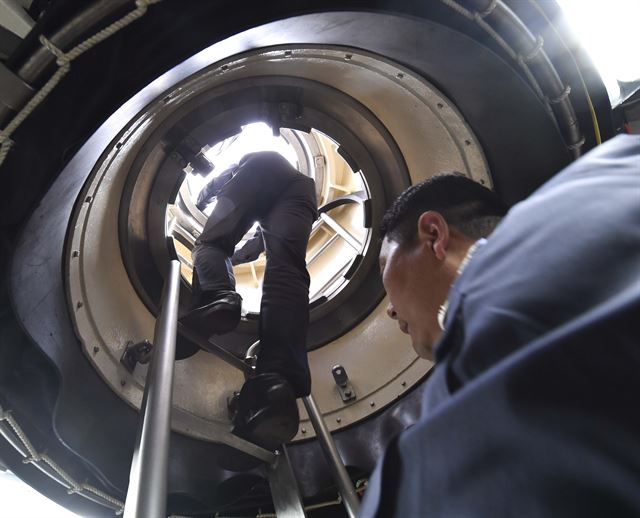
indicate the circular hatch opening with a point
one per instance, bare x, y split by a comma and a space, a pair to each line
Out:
338, 238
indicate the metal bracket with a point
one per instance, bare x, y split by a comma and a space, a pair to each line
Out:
251, 356
284, 487
136, 353
289, 112
347, 392
192, 153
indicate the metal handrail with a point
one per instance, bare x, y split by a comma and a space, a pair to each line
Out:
339, 472
147, 493
336, 466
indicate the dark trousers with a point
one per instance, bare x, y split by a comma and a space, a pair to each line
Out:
269, 190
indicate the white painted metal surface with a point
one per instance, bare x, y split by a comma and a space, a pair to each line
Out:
107, 312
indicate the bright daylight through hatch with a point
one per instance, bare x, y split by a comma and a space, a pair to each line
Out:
608, 31
337, 238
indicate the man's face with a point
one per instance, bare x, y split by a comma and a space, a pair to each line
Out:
417, 284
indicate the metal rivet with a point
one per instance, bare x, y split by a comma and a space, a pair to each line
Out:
118, 145
338, 419
482, 182
88, 199
304, 430
287, 53
224, 68
404, 383
79, 305
467, 142
96, 349
399, 75
75, 253
348, 56
347, 393
371, 403
440, 105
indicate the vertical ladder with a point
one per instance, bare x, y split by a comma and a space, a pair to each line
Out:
147, 492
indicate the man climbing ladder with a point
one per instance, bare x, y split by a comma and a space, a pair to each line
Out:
265, 188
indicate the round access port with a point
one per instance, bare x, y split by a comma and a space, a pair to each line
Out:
339, 239
361, 153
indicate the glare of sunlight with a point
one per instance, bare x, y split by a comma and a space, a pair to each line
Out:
254, 137
21, 501
608, 31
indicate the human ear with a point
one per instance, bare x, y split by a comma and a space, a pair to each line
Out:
433, 229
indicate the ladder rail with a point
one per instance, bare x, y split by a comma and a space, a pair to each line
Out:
147, 492
336, 466
287, 500
328, 446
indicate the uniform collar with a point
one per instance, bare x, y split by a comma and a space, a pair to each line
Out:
442, 310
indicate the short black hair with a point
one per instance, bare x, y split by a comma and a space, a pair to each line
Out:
465, 205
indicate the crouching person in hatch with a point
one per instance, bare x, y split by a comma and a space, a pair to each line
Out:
265, 188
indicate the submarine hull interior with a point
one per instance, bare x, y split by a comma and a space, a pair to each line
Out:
379, 94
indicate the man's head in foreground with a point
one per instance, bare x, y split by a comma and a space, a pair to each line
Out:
426, 234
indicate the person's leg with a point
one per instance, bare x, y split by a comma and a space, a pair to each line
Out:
217, 306
251, 194
267, 412
212, 273
284, 310
267, 188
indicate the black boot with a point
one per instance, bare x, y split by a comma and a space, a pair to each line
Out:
266, 412
219, 313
